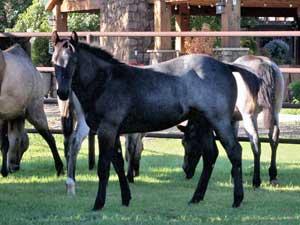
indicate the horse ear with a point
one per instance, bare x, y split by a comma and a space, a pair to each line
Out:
181, 128
54, 38
74, 37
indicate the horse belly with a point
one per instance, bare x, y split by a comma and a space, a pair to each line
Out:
158, 117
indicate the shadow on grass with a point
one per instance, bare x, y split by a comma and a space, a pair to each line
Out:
160, 196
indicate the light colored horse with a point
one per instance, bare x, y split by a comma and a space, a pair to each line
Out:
21, 98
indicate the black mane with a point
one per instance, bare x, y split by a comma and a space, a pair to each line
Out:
98, 52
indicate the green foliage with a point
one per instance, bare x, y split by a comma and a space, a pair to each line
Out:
249, 42
83, 22
35, 19
9, 11
34, 195
39, 53
295, 91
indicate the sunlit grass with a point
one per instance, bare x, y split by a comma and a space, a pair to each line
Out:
160, 194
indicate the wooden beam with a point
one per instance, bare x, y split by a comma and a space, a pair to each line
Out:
231, 22
182, 23
60, 19
162, 22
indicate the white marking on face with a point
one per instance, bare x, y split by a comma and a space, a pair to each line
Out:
61, 54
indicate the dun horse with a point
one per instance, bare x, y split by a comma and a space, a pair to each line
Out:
21, 98
261, 93
117, 98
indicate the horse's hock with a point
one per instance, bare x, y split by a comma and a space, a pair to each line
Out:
229, 54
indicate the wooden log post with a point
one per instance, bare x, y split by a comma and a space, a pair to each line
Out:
182, 23
60, 18
162, 22
231, 22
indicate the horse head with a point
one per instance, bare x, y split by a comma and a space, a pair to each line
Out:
65, 61
15, 156
191, 145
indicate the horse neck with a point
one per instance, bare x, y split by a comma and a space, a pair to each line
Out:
90, 77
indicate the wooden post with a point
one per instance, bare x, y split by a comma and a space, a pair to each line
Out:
162, 22
60, 18
231, 22
298, 38
182, 23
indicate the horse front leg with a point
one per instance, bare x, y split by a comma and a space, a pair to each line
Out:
250, 124
273, 139
107, 135
118, 163
75, 143
210, 154
4, 147
91, 150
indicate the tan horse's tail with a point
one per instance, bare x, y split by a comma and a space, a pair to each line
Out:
269, 91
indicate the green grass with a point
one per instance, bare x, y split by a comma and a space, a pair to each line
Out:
35, 195
290, 111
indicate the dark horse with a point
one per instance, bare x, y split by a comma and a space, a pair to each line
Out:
117, 98
262, 92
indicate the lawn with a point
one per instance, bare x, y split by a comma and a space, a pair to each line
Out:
35, 195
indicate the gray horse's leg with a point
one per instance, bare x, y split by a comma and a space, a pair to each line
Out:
107, 136
274, 139
36, 116
4, 144
75, 143
233, 149
118, 163
210, 154
250, 124
91, 150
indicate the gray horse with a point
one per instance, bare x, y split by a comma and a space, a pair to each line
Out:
262, 92
117, 98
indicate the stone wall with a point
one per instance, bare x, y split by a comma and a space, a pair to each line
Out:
127, 15
229, 54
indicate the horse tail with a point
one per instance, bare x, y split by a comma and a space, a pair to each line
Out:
249, 76
269, 91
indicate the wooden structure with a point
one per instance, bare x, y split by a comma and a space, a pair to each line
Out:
163, 11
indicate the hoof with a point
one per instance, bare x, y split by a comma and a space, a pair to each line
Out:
130, 179
60, 170
256, 184
274, 183
237, 202
126, 202
4, 172
194, 201
98, 206
70, 184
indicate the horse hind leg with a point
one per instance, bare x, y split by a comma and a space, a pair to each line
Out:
274, 132
250, 124
118, 163
36, 116
225, 131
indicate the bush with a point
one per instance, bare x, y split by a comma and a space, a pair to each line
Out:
39, 53
278, 51
294, 87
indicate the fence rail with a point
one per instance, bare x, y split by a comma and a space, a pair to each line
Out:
88, 35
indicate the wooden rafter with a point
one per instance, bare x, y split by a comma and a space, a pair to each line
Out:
244, 3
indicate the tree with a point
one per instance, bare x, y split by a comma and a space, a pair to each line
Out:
35, 19
83, 22
9, 11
